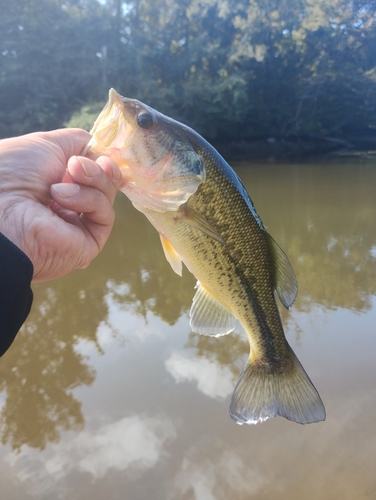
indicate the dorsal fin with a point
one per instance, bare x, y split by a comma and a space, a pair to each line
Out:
208, 316
286, 284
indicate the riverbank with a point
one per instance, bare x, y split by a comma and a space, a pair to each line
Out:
296, 148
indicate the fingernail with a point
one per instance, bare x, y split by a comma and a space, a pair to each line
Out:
66, 190
91, 169
116, 173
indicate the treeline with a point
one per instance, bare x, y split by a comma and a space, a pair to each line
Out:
232, 69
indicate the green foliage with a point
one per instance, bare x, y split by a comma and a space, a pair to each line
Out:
232, 69
85, 116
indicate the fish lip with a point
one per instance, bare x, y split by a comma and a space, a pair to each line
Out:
114, 99
112, 95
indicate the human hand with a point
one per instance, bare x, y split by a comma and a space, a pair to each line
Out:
55, 206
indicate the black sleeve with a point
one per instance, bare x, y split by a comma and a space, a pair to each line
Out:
16, 297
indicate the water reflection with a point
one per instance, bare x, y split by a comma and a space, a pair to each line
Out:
215, 366
38, 375
226, 350
228, 475
138, 275
323, 217
133, 443
212, 379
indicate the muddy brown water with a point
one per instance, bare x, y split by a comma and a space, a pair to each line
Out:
107, 394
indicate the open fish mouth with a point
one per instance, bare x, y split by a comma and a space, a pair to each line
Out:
111, 132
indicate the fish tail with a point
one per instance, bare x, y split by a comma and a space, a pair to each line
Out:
263, 392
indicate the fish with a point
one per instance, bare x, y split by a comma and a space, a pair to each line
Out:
207, 221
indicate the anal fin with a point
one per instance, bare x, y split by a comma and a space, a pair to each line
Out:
208, 316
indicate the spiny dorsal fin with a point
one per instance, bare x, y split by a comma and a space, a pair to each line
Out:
171, 255
208, 316
286, 284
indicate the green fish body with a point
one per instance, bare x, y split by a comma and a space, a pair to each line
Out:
207, 221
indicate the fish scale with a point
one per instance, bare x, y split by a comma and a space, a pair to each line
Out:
207, 221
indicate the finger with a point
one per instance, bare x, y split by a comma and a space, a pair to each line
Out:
109, 166
86, 208
79, 199
103, 175
69, 216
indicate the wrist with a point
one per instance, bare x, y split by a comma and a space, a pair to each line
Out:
12, 222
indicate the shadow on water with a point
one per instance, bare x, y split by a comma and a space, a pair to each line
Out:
322, 216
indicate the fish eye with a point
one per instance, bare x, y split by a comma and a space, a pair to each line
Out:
145, 120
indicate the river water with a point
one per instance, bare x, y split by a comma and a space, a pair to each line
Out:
107, 394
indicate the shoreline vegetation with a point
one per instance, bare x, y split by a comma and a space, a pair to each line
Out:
273, 149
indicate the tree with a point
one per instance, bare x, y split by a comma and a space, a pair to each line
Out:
44, 77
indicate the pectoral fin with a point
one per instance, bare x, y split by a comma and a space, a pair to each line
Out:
171, 255
286, 284
199, 222
208, 316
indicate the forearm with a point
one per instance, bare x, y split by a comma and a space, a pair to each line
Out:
16, 272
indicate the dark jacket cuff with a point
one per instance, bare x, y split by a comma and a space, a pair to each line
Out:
16, 296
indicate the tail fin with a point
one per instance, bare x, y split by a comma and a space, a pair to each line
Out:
263, 392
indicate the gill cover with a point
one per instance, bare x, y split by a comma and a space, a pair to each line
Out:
160, 168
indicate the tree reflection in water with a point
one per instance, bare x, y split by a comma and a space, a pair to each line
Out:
43, 366
38, 375
322, 216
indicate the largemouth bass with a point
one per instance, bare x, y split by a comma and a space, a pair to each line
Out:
206, 220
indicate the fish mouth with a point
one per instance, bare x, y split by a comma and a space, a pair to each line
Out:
111, 133
111, 130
